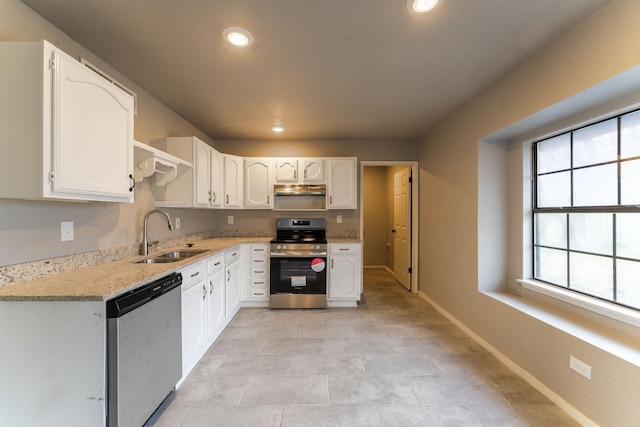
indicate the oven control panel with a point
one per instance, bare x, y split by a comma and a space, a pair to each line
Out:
298, 249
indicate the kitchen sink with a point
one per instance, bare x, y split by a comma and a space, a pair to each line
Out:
174, 256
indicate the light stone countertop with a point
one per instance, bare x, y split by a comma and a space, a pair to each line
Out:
110, 279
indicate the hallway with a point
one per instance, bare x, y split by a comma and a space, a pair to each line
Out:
392, 361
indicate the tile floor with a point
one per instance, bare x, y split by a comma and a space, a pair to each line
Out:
393, 361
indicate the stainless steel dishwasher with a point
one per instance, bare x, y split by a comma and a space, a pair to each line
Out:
144, 350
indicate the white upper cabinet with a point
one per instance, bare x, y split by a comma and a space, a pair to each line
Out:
202, 172
233, 173
258, 183
300, 171
343, 183
67, 132
314, 170
286, 171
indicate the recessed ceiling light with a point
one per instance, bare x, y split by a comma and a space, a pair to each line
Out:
238, 37
421, 6
278, 129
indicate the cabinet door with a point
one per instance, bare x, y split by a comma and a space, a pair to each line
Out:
233, 172
343, 188
217, 178
258, 183
344, 277
314, 170
232, 288
216, 302
194, 323
286, 171
202, 174
92, 134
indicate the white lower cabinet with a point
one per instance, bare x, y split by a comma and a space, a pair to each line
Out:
233, 278
194, 315
257, 286
345, 272
215, 297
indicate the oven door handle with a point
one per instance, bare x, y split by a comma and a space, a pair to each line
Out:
299, 255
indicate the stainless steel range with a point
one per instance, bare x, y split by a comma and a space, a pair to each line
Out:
298, 276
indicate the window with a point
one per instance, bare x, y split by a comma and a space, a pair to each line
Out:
586, 228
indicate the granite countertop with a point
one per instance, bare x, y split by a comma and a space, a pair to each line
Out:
110, 279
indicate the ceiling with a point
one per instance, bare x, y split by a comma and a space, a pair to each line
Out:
327, 69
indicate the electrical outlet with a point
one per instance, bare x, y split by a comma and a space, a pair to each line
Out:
580, 367
177, 223
230, 219
66, 231
339, 219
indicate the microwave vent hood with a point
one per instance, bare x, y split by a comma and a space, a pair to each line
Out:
299, 190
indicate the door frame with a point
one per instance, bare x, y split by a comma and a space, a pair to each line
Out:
415, 170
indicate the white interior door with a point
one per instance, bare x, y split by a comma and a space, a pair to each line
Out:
402, 227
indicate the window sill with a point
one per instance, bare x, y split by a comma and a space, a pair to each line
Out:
619, 344
612, 311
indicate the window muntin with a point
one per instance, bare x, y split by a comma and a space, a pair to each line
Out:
586, 215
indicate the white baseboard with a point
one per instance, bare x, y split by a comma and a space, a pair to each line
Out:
571, 410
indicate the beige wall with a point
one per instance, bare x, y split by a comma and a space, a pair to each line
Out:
375, 202
467, 241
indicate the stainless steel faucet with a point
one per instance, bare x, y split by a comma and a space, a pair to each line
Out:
145, 241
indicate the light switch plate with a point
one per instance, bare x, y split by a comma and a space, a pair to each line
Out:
339, 219
177, 223
66, 231
230, 219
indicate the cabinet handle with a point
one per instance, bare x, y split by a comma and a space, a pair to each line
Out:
195, 274
258, 250
209, 196
217, 263
295, 174
228, 276
332, 263
227, 199
133, 183
343, 249
267, 199
204, 291
258, 293
258, 260
330, 200
259, 272
210, 287
214, 196
234, 254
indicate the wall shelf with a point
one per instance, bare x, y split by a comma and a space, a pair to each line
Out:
149, 160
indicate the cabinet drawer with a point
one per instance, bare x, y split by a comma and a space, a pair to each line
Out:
344, 248
215, 263
259, 249
258, 271
193, 274
258, 262
231, 255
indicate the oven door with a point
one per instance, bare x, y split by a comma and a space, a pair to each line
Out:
298, 275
